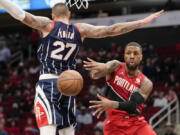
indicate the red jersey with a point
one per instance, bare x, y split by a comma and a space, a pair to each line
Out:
123, 85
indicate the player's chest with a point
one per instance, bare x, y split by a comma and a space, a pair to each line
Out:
123, 83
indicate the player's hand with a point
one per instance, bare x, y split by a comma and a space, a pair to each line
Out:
152, 17
93, 65
101, 106
97, 69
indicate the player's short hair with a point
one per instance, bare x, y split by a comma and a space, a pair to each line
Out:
134, 44
60, 9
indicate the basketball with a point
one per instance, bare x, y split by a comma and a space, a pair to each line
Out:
70, 83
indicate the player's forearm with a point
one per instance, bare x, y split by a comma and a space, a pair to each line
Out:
122, 28
131, 105
13, 9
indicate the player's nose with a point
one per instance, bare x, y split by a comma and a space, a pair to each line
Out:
131, 55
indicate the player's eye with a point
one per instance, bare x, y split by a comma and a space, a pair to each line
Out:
128, 52
136, 53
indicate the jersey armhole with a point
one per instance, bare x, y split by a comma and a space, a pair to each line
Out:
79, 31
51, 28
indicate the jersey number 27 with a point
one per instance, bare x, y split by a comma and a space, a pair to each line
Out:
56, 54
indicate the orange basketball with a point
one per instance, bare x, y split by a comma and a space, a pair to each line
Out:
70, 83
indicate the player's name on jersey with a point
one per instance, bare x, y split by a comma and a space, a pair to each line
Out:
125, 84
65, 34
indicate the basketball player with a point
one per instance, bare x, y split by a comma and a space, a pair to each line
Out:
57, 51
128, 90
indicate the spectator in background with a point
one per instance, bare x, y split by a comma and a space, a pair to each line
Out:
171, 95
85, 117
170, 129
151, 98
172, 80
150, 51
15, 113
148, 69
2, 123
1, 111
98, 132
5, 52
30, 129
14, 78
99, 125
93, 90
102, 14
34, 37
34, 69
161, 101
5, 55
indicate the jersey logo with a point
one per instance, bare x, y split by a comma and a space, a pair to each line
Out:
39, 113
121, 82
41, 116
138, 81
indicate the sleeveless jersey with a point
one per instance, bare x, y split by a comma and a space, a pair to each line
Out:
58, 50
122, 86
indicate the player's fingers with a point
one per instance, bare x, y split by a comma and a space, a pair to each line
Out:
91, 59
95, 102
100, 97
97, 111
99, 114
89, 65
95, 106
87, 62
87, 68
160, 12
93, 67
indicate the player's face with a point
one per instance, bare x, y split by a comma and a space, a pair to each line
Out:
133, 57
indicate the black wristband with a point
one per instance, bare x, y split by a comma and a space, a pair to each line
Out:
131, 106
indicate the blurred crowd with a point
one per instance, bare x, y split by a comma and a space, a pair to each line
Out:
18, 82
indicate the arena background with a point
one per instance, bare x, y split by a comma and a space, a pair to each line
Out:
161, 45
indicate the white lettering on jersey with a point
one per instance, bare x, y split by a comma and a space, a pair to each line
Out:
124, 84
65, 34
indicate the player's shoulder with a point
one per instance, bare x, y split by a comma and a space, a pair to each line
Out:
147, 81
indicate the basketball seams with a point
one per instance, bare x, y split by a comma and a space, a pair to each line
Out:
74, 87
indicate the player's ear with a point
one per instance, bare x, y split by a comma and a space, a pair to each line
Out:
69, 14
141, 57
53, 16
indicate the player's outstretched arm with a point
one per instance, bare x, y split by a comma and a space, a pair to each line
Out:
36, 22
91, 31
137, 98
98, 70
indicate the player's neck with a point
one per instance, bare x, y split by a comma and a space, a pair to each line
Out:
64, 20
132, 73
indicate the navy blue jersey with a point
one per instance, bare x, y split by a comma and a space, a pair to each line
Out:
57, 51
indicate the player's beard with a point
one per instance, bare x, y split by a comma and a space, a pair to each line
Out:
132, 68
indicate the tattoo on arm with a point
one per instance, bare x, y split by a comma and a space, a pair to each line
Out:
111, 66
91, 31
37, 22
146, 88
